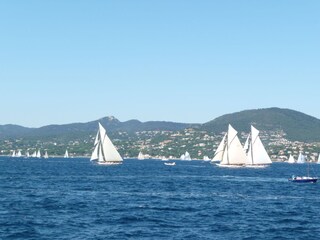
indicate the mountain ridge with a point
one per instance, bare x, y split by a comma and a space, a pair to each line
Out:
296, 125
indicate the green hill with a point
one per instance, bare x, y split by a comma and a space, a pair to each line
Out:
297, 126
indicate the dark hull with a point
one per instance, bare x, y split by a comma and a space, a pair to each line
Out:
310, 180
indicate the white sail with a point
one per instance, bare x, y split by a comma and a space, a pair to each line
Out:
27, 154
38, 154
66, 154
291, 159
233, 153
140, 156
13, 153
219, 152
95, 155
187, 156
301, 158
34, 154
318, 159
256, 154
46, 155
104, 150
19, 154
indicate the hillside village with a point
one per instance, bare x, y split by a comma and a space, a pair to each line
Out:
162, 144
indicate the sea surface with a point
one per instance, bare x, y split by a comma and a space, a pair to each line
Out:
73, 198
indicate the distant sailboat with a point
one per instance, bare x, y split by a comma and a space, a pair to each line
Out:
301, 158
13, 153
291, 159
46, 155
27, 154
34, 154
104, 150
257, 155
140, 156
19, 154
318, 162
233, 154
66, 154
185, 156
38, 154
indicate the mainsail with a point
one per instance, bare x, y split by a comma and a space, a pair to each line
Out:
256, 154
104, 150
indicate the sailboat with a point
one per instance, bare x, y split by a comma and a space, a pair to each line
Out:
141, 156
233, 154
185, 156
291, 159
66, 154
38, 154
46, 155
19, 154
301, 158
318, 162
257, 155
13, 153
304, 179
104, 150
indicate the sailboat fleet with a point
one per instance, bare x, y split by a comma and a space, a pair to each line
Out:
231, 153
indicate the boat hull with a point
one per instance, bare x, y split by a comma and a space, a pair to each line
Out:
229, 166
303, 180
109, 163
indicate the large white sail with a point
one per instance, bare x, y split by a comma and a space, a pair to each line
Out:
318, 159
233, 153
257, 154
219, 152
104, 150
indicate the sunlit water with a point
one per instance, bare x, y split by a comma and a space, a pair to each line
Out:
76, 199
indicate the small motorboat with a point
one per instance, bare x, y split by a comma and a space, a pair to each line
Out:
170, 163
303, 179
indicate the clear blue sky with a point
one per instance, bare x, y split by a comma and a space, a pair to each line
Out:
186, 61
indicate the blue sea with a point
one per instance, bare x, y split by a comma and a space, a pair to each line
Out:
75, 199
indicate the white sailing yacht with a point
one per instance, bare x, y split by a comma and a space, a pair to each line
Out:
104, 150
13, 153
141, 156
46, 155
257, 155
301, 158
318, 162
233, 154
291, 159
66, 154
38, 154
